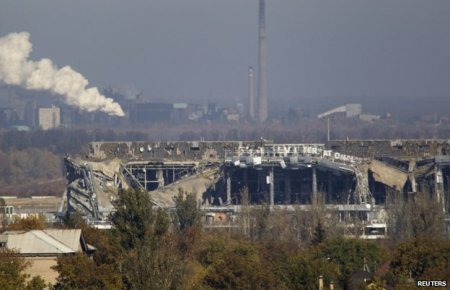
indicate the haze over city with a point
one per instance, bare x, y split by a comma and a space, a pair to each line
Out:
200, 50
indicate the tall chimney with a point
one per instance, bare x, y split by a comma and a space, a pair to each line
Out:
262, 64
251, 96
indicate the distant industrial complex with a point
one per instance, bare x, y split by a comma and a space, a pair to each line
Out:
29, 114
138, 112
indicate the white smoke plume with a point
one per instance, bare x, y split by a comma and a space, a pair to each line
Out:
17, 69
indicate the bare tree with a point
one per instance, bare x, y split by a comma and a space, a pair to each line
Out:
420, 215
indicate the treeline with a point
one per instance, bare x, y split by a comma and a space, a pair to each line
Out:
30, 171
31, 162
155, 249
292, 130
62, 141
289, 130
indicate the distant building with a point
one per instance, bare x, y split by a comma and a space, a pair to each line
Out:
49, 118
145, 113
8, 117
350, 111
17, 208
29, 117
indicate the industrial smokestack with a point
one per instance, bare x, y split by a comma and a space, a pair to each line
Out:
16, 69
262, 65
251, 97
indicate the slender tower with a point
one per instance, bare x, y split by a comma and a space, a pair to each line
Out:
262, 64
251, 96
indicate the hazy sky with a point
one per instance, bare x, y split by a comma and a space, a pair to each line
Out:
200, 49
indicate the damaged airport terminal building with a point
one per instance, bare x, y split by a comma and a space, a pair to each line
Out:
350, 177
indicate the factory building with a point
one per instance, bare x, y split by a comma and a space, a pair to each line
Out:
350, 111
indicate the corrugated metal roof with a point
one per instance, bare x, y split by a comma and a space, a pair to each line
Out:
37, 242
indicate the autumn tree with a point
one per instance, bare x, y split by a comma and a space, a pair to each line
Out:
319, 234
259, 224
149, 258
11, 270
107, 250
153, 265
80, 272
350, 255
422, 258
245, 213
187, 213
74, 220
134, 219
301, 270
31, 222
420, 215
187, 221
231, 264
12, 274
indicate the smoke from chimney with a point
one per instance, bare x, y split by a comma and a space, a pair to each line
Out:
17, 69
